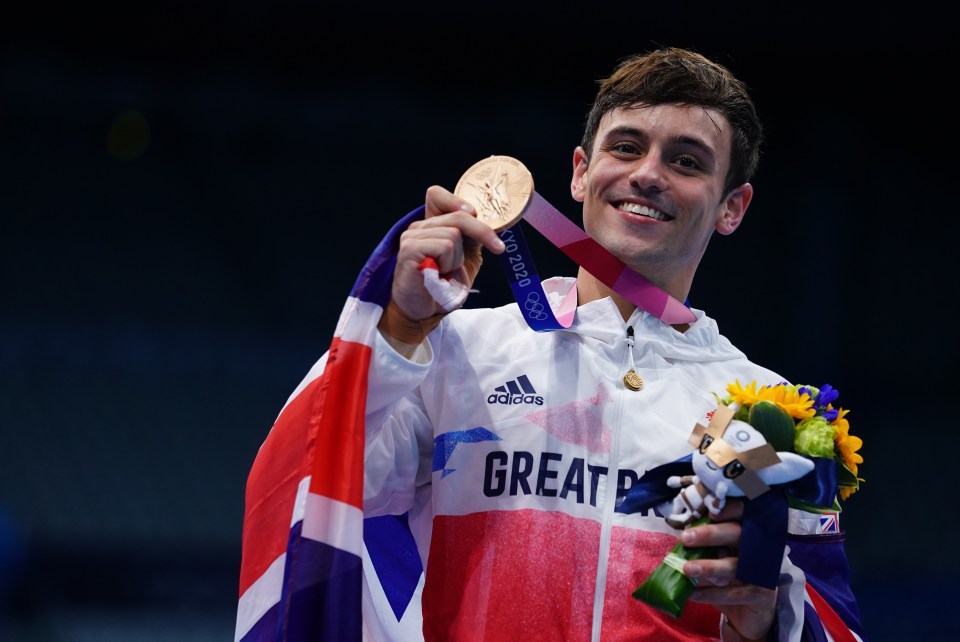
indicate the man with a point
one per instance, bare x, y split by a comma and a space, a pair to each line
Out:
512, 498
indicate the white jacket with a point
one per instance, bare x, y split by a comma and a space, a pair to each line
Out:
509, 448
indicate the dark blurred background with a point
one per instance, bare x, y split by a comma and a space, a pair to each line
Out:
187, 191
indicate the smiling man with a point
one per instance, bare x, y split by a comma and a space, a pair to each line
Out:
513, 506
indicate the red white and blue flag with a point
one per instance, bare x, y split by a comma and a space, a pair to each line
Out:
303, 532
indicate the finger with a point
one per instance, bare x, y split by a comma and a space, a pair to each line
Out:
718, 534
443, 244
718, 572
470, 228
442, 201
744, 594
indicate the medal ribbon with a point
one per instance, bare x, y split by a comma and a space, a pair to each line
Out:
518, 264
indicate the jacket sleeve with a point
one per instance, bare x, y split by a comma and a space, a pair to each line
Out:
399, 436
815, 596
829, 603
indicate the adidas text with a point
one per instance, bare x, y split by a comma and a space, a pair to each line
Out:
510, 400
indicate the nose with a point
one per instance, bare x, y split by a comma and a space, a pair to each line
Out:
648, 172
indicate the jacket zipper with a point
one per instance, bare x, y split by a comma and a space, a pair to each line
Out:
609, 503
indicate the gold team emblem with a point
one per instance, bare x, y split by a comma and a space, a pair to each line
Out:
632, 380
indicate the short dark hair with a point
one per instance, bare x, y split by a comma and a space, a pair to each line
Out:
674, 76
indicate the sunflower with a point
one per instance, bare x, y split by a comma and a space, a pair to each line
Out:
743, 396
847, 445
798, 405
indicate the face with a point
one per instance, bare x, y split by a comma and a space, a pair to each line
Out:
652, 192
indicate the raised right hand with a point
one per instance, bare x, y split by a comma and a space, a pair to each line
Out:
450, 234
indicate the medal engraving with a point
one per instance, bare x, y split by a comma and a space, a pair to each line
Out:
499, 188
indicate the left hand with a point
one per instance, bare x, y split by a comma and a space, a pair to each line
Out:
750, 609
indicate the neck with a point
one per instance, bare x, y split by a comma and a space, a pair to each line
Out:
589, 288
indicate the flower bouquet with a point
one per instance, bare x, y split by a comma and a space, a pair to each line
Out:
788, 436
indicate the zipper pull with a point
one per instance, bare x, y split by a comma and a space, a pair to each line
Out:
632, 380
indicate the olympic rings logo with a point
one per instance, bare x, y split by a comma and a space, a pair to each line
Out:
535, 309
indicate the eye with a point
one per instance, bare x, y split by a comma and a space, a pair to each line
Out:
688, 162
733, 470
625, 148
705, 443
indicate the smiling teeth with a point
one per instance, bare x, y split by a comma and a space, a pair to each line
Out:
642, 210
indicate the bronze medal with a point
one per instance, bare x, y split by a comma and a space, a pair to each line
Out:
499, 188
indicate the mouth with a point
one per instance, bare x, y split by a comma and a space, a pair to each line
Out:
642, 210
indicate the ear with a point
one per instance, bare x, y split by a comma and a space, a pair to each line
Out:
578, 188
733, 208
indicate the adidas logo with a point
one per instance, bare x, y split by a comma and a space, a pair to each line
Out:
516, 391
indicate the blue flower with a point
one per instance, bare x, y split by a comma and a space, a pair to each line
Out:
826, 396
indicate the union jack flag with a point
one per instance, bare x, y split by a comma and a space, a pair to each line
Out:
301, 574
829, 523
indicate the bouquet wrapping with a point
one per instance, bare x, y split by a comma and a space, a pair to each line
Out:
667, 588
